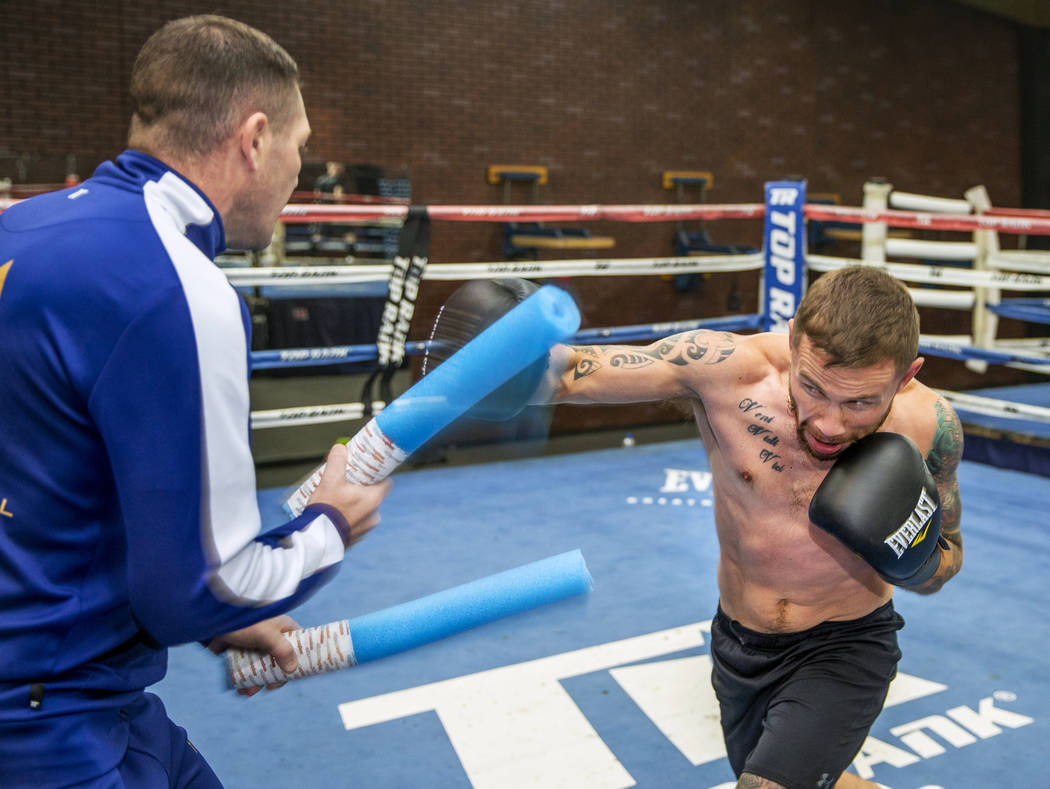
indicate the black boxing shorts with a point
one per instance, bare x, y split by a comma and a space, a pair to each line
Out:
796, 707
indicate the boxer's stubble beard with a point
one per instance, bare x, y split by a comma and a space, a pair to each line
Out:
800, 431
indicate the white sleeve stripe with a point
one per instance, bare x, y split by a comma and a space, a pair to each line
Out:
230, 514
262, 574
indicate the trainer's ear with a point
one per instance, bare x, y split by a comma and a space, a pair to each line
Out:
253, 139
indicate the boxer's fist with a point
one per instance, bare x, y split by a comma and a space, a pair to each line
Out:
880, 500
468, 312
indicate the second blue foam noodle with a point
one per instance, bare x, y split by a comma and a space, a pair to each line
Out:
435, 616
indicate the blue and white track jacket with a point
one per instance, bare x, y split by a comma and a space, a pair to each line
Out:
129, 519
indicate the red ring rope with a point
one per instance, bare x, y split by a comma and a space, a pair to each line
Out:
1003, 220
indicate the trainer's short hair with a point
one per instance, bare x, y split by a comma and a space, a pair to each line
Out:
859, 316
195, 78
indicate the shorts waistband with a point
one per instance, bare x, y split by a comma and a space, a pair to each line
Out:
755, 638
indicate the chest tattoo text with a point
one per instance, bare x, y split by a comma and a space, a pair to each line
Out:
759, 428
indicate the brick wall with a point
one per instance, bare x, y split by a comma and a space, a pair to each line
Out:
606, 93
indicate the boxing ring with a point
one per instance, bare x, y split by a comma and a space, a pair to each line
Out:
611, 689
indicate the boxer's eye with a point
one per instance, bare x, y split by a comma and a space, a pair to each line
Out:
860, 405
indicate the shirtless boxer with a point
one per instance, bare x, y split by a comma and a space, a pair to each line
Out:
804, 641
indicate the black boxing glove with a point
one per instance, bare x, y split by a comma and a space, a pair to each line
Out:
469, 311
880, 500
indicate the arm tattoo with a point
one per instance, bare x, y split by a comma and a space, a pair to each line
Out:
943, 462
627, 360
631, 361
700, 345
589, 364
584, 368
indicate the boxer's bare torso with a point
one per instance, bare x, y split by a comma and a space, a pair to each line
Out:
777, 572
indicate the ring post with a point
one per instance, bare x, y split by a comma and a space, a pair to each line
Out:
784, 247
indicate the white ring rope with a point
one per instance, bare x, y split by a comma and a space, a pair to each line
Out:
936, 205
311, 414
944, 299
940, 275
931, 250
1027, 343
594, 268
297, 275
1034, 261
333, 275
992, 407
962, 347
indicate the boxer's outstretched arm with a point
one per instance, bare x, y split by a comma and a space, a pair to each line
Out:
681, 365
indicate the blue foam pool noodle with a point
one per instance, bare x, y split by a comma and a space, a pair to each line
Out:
509, 345
427, 619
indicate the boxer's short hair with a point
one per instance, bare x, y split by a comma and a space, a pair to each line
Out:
859, 316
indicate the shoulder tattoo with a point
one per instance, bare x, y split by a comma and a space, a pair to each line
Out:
943, 462
944, 455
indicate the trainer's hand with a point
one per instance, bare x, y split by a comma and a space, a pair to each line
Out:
359, 504
265, 636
